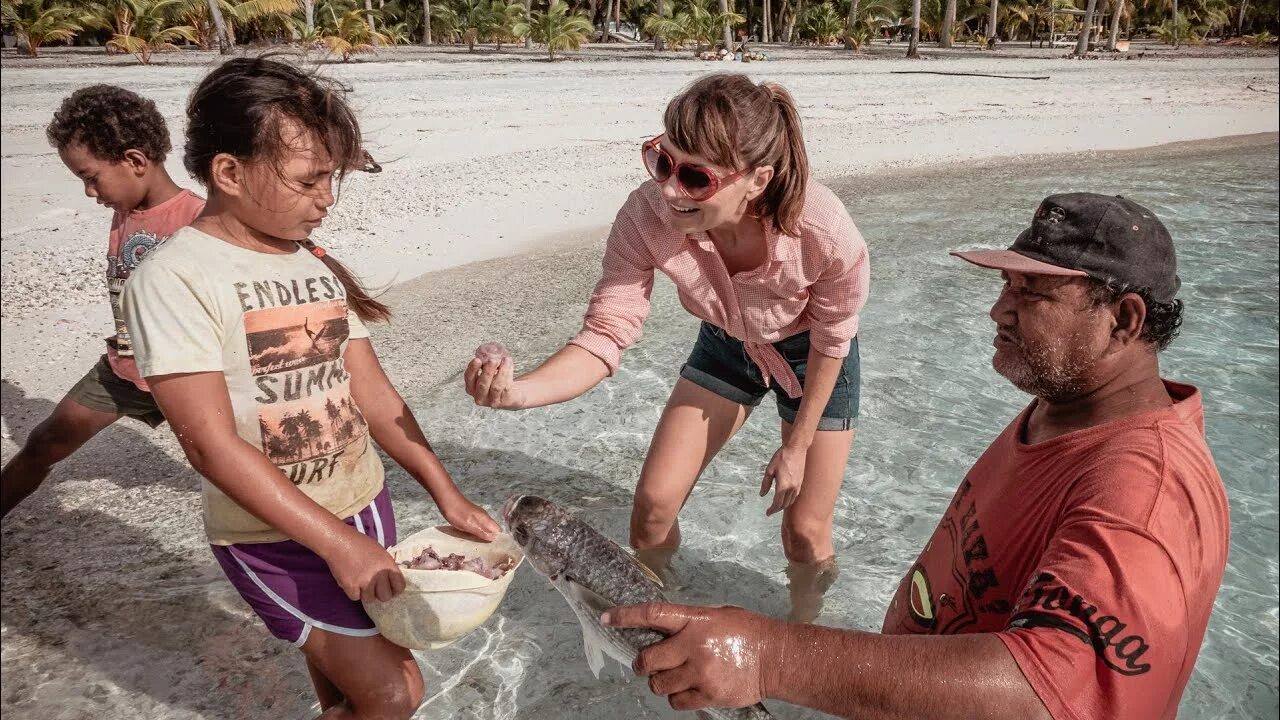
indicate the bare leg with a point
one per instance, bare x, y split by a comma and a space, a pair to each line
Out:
806, 525
695, 424
328, 693
69, 427
376, 679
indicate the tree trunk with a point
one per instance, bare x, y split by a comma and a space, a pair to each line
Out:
1115, 24
789, 31
617, 16
226, 44
991, 22
1244, 6
948, 25
528, 17
309, 7
913, 48
766, 21
1082, 44
604, 24
368, 14
1177, 37
853, 14
658, 42
727, 31
426, 22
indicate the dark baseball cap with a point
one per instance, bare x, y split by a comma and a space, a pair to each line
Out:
1090, 235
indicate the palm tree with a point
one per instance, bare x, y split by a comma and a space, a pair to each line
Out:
822, 24
149, 30
311, 428
913, 49
307, 38
658, 40
528, 8
556, 28
504, 17
1116, 12
226, 43
40, 22
673, 29
1082, 43
291, 430
475, 17
992, 28
726, 30
353, 36
946, 33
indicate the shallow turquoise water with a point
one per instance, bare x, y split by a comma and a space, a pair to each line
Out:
931, 403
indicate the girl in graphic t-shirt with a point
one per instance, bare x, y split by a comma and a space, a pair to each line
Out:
252, 340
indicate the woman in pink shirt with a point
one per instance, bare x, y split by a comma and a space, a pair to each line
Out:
773, 265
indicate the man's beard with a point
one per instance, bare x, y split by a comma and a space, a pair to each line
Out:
1054, 373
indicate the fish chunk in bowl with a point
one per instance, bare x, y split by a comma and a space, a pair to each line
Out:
453, 583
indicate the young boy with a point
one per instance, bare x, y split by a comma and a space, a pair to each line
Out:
115, 141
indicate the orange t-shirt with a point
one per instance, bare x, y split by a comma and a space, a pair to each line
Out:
1095, 557
133, 235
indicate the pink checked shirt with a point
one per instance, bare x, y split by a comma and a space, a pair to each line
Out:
816, 282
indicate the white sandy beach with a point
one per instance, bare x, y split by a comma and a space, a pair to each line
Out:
483, 158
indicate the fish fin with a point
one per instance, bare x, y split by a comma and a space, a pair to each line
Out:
593, 643
592, 646
651, 574
588, 597
648, 571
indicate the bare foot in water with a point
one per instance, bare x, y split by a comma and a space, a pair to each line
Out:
658, 560
809, 583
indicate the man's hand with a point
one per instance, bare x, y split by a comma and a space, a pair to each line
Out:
715, 657
786, 471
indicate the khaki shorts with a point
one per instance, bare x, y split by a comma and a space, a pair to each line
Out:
102, 390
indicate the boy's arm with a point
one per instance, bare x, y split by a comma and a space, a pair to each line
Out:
198, 407
395, 429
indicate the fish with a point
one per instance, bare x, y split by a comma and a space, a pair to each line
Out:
594, 574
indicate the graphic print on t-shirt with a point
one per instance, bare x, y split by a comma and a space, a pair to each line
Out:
134, 248
305, 411
942, 613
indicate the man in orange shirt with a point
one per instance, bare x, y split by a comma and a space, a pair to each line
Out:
1073, 573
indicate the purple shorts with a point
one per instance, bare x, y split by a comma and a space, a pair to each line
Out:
291, 587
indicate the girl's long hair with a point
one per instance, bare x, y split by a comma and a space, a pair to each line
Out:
242, 108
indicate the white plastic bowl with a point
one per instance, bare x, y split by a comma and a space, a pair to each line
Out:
439, 606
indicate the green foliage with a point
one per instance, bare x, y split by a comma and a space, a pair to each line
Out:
147, 28
557, 28
699, 21
822, 24
353, 35
1262, 39
40, 22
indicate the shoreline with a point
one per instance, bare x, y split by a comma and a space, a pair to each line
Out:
567, 268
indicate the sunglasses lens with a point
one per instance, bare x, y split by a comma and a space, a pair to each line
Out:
657, 163
697, 183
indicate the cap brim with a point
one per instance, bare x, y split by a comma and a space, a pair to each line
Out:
1015, 262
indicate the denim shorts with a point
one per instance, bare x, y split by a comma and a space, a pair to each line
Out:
719, 363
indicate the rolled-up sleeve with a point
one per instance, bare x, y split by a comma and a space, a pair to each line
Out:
837, 297
620, 302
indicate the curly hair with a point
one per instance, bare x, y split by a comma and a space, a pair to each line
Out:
109, 121
1163, 322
